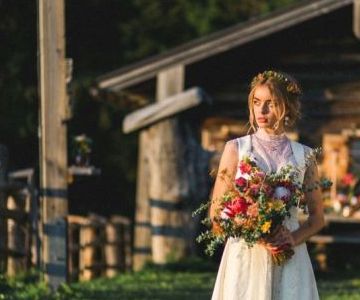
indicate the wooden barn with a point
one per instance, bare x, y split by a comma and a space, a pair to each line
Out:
315, 41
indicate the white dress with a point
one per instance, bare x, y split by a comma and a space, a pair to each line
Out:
248, 273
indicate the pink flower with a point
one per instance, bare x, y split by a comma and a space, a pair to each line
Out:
260, 174
268, 190
224, 214
254, 189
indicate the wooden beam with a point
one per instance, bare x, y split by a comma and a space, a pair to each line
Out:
142, 227
331, 239
164, 109
166, 188
219, 42
356, 18
53, 143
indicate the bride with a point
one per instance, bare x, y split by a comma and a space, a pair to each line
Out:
248, 273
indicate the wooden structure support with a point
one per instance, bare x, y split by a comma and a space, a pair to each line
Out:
219, 42
142, 227
53, 143
164, 109
165, 189
356, 18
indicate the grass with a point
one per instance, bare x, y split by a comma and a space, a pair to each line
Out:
342, 284
193, 279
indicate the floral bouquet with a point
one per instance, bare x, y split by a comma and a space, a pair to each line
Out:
347, 201
82, 149
253, 206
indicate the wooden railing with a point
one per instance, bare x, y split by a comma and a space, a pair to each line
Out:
16, 230
98, 246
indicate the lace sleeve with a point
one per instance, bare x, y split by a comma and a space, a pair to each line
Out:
228, 162
311, 166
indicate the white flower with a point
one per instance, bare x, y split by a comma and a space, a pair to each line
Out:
353, 200
245, 176
337, 206
281, 193
223, 214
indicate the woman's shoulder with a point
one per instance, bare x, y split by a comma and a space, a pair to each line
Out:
237, 140
306, 148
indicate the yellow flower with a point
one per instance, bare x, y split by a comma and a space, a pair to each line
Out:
266, 227
278, 205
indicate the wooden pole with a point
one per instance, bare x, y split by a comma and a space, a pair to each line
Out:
142, 228
88, 237
53, 143
167, 186
356, 18
4, 156
18, 234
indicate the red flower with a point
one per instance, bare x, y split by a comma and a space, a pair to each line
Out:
237, 206
241, 182
348, 180
245, 167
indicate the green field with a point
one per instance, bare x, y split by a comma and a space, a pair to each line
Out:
154, 283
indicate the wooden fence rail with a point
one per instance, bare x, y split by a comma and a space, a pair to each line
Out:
16, 230
97, 246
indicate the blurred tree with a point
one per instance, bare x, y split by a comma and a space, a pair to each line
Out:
101, 36
18, 81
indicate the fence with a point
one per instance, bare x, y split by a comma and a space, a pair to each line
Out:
17, 241
97, 246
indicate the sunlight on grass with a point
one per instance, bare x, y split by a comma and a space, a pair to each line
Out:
187, 280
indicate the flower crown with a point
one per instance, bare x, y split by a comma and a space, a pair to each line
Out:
291, 86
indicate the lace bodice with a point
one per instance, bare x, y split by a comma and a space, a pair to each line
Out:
271, 151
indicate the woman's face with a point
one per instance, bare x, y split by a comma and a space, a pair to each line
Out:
264, 108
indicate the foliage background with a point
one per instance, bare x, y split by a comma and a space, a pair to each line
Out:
101, 36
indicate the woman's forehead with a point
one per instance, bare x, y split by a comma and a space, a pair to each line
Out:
262, 92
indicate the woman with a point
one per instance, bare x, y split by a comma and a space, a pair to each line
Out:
248, 273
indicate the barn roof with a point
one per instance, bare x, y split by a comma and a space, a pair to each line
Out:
218, 42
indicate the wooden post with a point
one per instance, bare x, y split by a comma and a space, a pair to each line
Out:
142, 228
166, 188
53, 143
19, 234
87, 254
356, 18
117, 245
4, 156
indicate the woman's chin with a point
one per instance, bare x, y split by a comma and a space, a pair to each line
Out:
263, 125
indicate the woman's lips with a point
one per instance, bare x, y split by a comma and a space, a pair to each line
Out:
262, 120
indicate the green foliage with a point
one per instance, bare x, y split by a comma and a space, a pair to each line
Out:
100, 36
24, 286
192, 279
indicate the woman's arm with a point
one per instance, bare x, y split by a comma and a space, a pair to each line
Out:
228, 162
315, 221
313, 224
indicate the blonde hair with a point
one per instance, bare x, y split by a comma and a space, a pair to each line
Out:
285, 92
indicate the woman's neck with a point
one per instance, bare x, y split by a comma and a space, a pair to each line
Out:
270, 132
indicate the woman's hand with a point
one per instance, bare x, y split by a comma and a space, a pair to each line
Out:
280, 237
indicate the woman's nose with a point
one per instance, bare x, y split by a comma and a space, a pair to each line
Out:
264, 109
